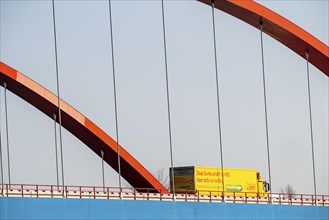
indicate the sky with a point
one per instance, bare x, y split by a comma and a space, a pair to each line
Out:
85, 73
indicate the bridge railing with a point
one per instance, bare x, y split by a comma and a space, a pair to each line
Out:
97, 192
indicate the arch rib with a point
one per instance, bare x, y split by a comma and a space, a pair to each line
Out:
81, 127
279, 28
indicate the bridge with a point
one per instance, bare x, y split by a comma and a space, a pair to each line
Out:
106, 145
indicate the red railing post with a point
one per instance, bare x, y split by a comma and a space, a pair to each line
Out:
22, 189
37, 190
65, 191
160, 195
198, 196
269, 196
134, 194
7, 191
301, 198
322, 200
233, 197
94, 190
290, 197
210, 196
51, 191
80, 192
257, 195
246, 198
148, 194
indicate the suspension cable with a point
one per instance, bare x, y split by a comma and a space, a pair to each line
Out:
102, 154
55, 130
7, 132
265, 108
168, 100
311, 121
58, 97
1, 163
217, 96
115, 98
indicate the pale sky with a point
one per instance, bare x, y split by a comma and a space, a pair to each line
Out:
27, 44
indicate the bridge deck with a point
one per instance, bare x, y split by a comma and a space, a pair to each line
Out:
93, 192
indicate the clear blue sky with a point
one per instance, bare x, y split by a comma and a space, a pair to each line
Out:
27, 44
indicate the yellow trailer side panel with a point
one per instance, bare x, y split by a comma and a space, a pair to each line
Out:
235, 180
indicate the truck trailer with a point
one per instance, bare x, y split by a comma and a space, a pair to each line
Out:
208, 181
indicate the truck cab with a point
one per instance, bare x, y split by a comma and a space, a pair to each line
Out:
263, 186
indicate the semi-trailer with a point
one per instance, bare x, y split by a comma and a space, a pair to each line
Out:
209, 181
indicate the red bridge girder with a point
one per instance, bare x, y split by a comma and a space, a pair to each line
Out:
81, 127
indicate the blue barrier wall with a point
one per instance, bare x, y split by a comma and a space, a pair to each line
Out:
44, 208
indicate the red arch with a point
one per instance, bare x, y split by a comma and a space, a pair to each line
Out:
279, 28
80, 126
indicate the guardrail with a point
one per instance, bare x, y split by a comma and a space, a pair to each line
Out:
94, 192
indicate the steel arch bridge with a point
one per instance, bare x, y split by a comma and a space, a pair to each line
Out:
276, 26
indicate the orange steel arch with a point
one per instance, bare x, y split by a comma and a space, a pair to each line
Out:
81, 127
279, 28
96, 139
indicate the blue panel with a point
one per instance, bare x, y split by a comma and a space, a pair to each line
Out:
44, 208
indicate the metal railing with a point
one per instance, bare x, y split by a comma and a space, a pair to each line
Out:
95, 192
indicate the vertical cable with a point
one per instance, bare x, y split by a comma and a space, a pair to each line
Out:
1, 163
115, 98
58, 97
7, 132
311, 121
168, 99
102, 153
57, 176
217, 96
265, 108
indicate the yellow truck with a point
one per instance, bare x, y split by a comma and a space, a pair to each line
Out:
208, 180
